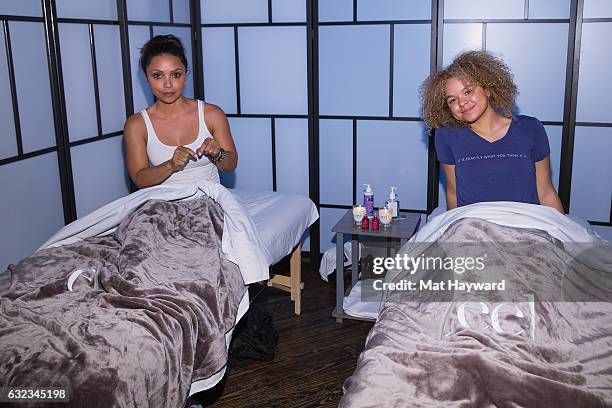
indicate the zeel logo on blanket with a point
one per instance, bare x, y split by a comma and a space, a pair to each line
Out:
505, 318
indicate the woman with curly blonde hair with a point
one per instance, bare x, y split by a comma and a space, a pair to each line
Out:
487, 152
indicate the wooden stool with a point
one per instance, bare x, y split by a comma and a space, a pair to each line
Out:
293, 283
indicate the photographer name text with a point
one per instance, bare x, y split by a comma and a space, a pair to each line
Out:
423, 285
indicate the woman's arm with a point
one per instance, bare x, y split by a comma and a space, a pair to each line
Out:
217, 124
451, 189
143, 175
546, 191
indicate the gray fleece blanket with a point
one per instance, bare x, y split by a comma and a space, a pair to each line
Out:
435, 353
147, 317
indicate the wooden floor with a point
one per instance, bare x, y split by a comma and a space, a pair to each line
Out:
313, 357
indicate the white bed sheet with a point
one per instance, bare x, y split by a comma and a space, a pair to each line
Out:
280, 219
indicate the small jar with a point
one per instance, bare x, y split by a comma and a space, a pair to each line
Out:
358, 213
385, 216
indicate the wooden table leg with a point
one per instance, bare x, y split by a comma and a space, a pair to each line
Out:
295, 267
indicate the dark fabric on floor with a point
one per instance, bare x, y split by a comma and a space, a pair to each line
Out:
255, 338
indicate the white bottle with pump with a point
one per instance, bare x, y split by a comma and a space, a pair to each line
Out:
368, 201
393, 203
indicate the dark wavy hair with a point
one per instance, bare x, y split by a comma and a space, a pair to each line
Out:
162, 44
478, 67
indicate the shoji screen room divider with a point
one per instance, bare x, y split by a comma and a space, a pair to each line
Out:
373, 55
321, 96
70, 74
255, 67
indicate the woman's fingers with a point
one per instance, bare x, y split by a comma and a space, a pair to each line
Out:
182, 155
202, 150
185, 153
189, 152
210, 147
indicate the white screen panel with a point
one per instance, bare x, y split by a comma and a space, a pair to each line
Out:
253, 140
549, 9
150, 10
369, 10
288, 11
410, 67
8, 141
234, 11
554, 140
31, 206
100, 174
98, 10
485, 9
141, 92
595, 79
181, 11
537, 55
597, 9
292, 156
110, 77
336, 161
274, 74
354, 70
33, 87
184, 34
460, 37
592, 174
219, 67
391, 153
335, 10
329, 218
32, 8
78, 81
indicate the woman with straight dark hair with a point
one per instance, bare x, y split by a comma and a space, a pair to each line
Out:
176, 138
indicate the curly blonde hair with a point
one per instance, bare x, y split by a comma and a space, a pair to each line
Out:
478, 67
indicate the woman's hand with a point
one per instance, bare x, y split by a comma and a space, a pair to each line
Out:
210, 148
181, 157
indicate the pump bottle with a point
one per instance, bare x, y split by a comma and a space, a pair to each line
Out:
393, 203
368, 201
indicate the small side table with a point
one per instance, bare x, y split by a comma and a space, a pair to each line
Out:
402, 229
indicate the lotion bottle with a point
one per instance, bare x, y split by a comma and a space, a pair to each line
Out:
368, 201
393, 203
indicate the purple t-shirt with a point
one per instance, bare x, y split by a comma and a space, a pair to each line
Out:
503, 170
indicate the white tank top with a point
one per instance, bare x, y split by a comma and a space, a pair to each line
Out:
158, 152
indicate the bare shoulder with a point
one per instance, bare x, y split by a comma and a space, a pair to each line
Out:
134, 122
213, 111
214, 117
135, 126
